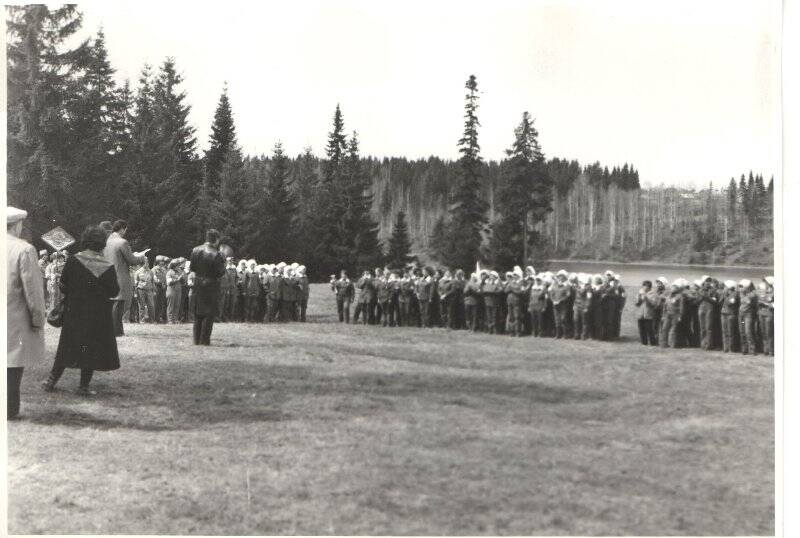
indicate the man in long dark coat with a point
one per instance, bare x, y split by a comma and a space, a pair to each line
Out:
208, 266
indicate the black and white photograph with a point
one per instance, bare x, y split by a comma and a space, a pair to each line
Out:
350, 267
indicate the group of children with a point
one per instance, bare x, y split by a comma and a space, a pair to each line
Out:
560, 305
709, 314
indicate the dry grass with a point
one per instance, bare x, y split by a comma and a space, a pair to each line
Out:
320, 428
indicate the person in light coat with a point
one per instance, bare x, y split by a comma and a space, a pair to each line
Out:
25, 307
119, 253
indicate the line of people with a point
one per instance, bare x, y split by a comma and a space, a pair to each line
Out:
708, 314
249, 292
560, 305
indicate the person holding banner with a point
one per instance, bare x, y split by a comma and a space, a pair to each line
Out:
118, 252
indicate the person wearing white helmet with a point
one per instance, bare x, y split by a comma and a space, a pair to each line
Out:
562, 295
472, 302
707, 303
729, 316
674, 310
690, 326
766, 315
748, 307
303, 294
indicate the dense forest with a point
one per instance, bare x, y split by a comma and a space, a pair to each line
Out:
82, 149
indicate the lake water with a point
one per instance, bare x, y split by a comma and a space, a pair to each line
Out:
632, 274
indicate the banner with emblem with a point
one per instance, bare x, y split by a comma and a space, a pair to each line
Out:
58, 238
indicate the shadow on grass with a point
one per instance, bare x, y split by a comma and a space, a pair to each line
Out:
218, 391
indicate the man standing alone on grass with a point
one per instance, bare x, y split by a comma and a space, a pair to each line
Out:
208, 266
119, 253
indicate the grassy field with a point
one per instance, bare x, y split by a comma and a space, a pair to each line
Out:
321, 428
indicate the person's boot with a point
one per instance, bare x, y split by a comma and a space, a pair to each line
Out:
84, 390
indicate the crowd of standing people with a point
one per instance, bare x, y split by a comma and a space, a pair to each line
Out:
518, 303
709, 314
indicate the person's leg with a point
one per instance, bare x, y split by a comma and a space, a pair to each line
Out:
303, 307
206, 329
86, 378
642, 331
13, 381
347, 311
197, 328
117, 312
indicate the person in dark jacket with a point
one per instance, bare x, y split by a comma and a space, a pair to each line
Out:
455, 301
537, 305
472, 291
581, 309
729, 312
208, 266
87, 341
707, 299
748, 305
424, 292
404, 299
303, 292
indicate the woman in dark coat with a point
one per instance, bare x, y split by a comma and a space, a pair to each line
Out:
87, 340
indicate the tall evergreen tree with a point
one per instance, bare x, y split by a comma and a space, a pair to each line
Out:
398, 253
41, 78
468, 210
178, 165
97, 113
359, 226
525, 192
272, 213
229, 213
222, 140
335, 150
306, 189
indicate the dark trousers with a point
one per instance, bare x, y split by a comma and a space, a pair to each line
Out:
160, 305
405, 314
747, 333
117, 312
766, 322
473, 323
647, 332
343, 308
203, 325
362, 309
387, 314
536, 322
706, 318
13, 381
303, 304
491, 319
58, 371
561, 312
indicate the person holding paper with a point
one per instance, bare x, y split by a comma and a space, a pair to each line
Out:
119, 253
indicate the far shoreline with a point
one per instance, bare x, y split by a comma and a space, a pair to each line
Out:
665, 264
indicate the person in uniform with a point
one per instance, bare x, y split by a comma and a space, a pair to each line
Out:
424, 294
581, 309
515, 295
393, 285
472, 290
766, 314
344, 290
561, 295
748, 306
383, 293
303, 292
674, 311
160, 284
207, 265
119, 253
252, 289
240, 314
490, 290
289, 296
190, 292
174, 293
455, 303
707, 299
729, 313
226, 285
406, 292
146, 289
25, 309
620, 297
537, 304
444, 287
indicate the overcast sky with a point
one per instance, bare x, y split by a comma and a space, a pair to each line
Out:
686, 91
